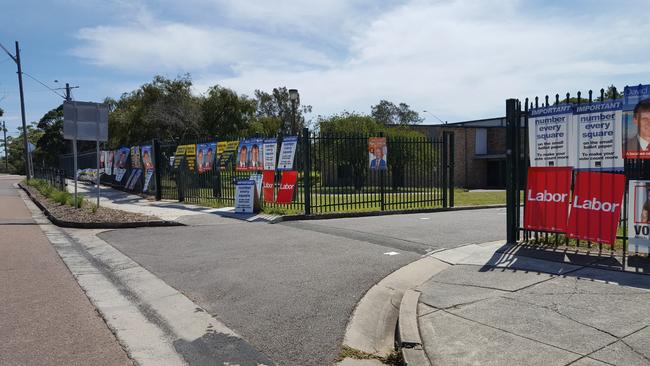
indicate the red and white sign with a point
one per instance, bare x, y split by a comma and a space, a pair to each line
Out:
268, 185
596, 206
548, 193
287, 185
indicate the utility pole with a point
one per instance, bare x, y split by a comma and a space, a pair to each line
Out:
4, 131
67, 92
16, 58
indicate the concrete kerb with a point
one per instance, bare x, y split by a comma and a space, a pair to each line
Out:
371, 328
96, 225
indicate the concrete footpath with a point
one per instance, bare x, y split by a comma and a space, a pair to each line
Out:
502, 305
45, 317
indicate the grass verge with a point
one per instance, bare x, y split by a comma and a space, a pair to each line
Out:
56, 195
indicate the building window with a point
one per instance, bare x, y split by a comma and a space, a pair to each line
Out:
480, 148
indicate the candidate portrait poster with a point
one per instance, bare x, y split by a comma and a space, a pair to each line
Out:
548, 194
596, 206
377, 153
249, 156
121, 159
147, 163
205, 156
638, 216
550, 132
270, 152
287, 152
599, 135
636, 121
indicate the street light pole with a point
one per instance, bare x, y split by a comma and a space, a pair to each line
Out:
294, 97
436, 117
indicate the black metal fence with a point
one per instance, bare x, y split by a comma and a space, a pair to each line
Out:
517, 163
55, 177
333, 175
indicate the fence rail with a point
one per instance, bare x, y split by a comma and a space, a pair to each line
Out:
518, 114
333, 175
55, 177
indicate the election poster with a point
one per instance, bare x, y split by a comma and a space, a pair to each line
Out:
185, 153
548, 194
249, 156
133, 179
257, 178
121, 156
596, 206
636, 121
638, 216
268, 185
108, 164
225, 152
205, 154
377, 153
287, 186
550, 132
599, 135
245, 198
147, 162
270, 152
135, 157
287, 153
102, 161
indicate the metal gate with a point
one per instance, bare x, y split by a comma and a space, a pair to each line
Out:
517, 163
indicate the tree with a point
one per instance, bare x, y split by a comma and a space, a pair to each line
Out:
277, 105
51, 143
225, 113
387, 113
163, 109
16, 148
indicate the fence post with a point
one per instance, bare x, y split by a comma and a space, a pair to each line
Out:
382, 172
157, 168
451, 169
445, 157
306, 167
511, 170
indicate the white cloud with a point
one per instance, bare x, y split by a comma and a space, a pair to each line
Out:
459, 59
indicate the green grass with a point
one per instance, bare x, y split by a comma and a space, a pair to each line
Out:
56, 195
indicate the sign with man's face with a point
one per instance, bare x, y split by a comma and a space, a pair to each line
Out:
377, 152
636, 119
638, 222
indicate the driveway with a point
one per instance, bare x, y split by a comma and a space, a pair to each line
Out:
289, 289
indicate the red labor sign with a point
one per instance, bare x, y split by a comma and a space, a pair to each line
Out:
548, 194
268, 182
287, 185
596, 206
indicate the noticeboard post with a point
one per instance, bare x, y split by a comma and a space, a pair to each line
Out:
85, 121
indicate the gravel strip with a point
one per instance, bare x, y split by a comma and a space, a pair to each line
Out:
85, 214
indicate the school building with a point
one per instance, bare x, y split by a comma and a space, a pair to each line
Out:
479, 151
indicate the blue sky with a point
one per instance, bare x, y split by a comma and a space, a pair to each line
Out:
458, 59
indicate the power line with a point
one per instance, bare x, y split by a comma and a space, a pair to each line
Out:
45, 85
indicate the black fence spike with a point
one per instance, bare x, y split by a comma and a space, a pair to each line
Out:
602, 94
536, 102
591, 94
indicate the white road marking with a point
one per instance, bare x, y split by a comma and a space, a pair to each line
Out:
391, 253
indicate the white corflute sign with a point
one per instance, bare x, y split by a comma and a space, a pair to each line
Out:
598, 142
549, 134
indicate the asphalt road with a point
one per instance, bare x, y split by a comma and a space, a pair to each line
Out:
290, 289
